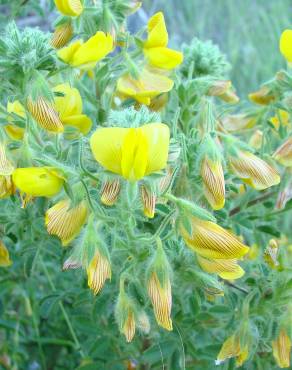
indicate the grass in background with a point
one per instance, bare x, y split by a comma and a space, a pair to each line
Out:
247, 31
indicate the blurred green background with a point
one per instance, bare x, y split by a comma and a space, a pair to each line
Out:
247, 31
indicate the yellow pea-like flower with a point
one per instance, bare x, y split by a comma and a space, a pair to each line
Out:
286, 45
210, 240
132, 152
13, 131
4, 256
38, 181
110, 192
86, 55
62, 35
65, 220
148, 86
160, 295
7, 187
238, 122
282, 118
148, 198
263, 96
154, 48
98, 271
213, 181
283, 154
232, 348
254, 171
281, 349
226, 269
69, 107
71, 8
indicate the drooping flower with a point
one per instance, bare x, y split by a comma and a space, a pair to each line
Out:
148, 198
66, 220
238, 122
86, 55
214, 184
155, 47
98, 271
232, 348
224, 91
69, 107
263, 96
125, 314
281, 349
226, 269
285, 45
210, 240
7, 187
4, 256
13, 131
132, 152
45, 114
283, 154
38, 181
148, 86
62, 35
110, 192
71, 8
282, 118
253, 170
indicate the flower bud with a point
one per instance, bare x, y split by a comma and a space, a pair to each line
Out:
148, 198
4, 256
232, 347
212, 293
281, 118
98, 271
271, 254
125, 314
71, 8
66, 220
224, 91
62, 35
256, 139
45, 115
227, 269
281, 349
253, 170
159, 288
238, 122
6, 167
283, 154
284, 196
263, 96
7, 187
110, 192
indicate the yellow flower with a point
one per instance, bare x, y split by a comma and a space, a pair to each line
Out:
38, 181
212, 241
65, 220
214, 184
7, 187
45, 114
110, 192
148, 198
281, 349
69, 107
286, 45
226, 269
160, 295
4, 256
146, 87
98, 271
72, 8
155, 49
281, 118
126, 313
132, 152
224, 91
237, 122
254, 171
283, 154
232, 348
62, 35
129, 327
263, 96
13, 131
86, 55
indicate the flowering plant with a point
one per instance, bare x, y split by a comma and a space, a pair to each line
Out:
141, 211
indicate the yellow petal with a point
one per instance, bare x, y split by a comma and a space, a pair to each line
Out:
281, 118
161, 300
81, 122
66, 221
286, 45
132, 153
226, 269
70, 103
38, 181
93, 50
17, 108
4, 256
72, 8
66, 54
110, 192
14, 132
148, 198
212, 241
7, 187
281, 350
284, 153
230, 348
98, 271
157, 32
254, 171
164, 58
214, 184
62, 35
